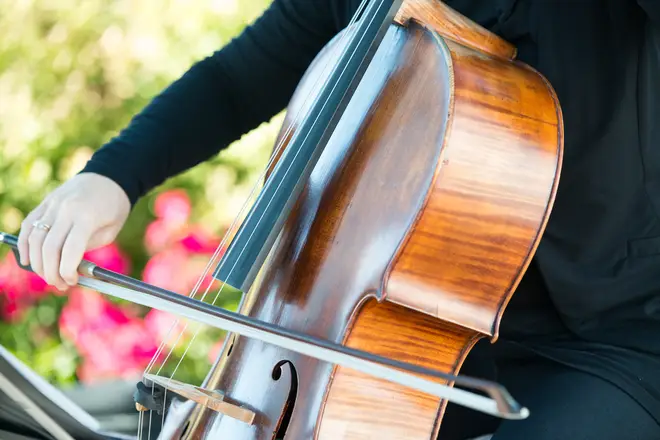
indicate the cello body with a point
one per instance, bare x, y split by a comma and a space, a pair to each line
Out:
414, 230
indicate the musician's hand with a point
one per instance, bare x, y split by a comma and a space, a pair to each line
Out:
84, 213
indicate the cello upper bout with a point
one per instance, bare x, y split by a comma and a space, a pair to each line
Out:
492, 194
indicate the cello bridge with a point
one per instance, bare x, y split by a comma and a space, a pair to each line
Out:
213, 400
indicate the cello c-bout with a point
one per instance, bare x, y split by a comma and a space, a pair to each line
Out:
408, 240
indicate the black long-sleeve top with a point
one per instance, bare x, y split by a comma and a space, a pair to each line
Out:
591, 298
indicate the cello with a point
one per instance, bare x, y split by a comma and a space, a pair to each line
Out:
409, 187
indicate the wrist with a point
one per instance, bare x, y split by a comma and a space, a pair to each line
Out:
130, 185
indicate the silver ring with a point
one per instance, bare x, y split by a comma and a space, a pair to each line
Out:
41, 225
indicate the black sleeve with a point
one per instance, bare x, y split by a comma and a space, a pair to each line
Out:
652, 9
221, 97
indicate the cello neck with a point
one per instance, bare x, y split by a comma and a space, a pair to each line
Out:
254, 239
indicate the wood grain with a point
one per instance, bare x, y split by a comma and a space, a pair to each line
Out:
363, 407
408, 240
361, 201
491, 198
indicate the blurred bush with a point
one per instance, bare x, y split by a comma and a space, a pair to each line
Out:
72, 74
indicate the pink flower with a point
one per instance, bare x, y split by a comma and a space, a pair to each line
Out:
176, 270
200, 241
11, 312
110, 257
123, 352
35, 283
168, 269
19, 289
173, 206
161, 325
160, 234
113, 342
172, 209
89, 311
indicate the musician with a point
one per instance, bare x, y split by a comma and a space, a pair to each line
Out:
580, 341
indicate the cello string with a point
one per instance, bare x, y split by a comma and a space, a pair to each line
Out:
220, 247
214, 258
234, 223
258, 222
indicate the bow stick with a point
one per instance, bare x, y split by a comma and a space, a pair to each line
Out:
500, 403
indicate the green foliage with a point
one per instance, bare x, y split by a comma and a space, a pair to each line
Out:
72, 74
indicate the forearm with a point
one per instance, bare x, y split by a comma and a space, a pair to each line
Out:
187, 123
220, 98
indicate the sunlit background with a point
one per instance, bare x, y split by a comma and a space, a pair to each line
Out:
72, 74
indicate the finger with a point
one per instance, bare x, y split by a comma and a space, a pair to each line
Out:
52, 251
73, 250
36, 241
102, 237
26, 230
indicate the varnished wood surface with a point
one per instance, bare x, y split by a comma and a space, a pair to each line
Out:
452, 25
361, 201
409, 239
491, 197
363, 407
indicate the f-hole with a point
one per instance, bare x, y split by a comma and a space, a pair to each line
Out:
287, 411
